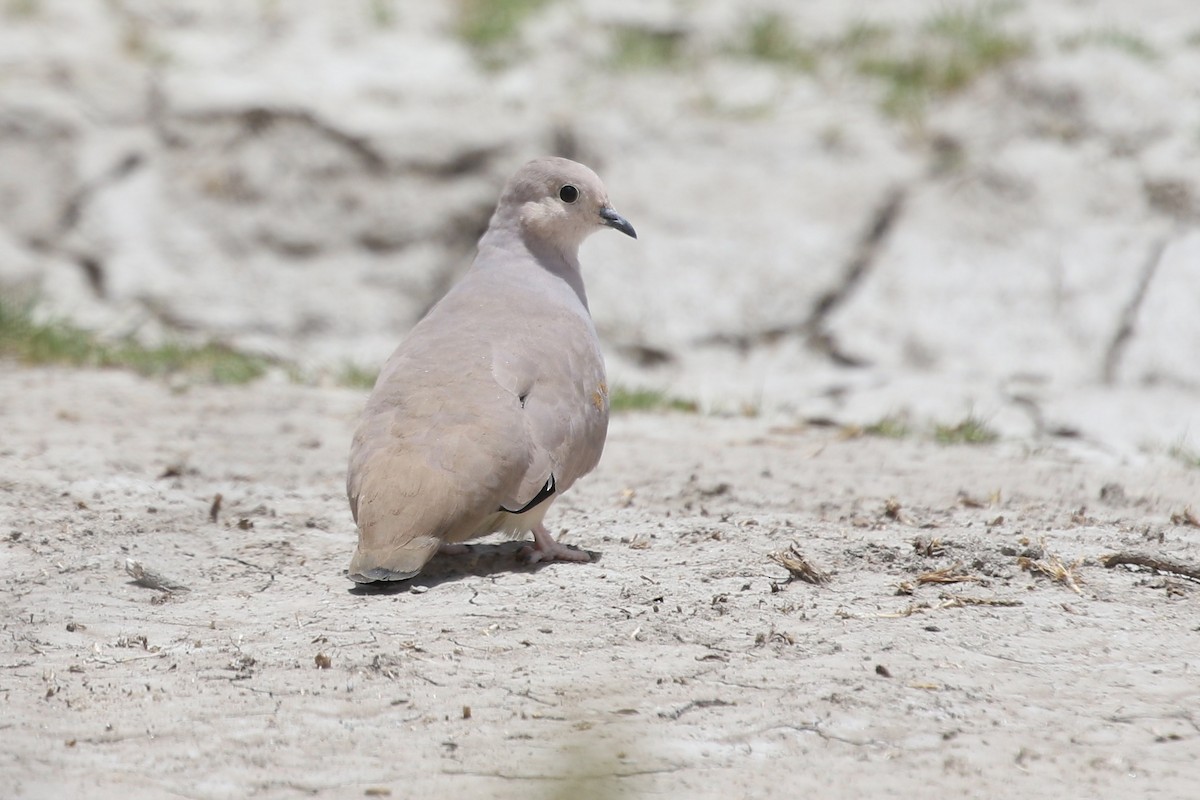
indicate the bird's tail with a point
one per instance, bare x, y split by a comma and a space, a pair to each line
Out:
391, 564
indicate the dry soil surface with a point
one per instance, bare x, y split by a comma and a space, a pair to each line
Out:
682, 663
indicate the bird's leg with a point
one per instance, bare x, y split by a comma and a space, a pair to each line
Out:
545, 548
447, 549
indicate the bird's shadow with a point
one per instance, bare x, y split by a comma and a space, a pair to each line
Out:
480, 560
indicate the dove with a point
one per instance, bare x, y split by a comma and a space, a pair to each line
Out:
496, 402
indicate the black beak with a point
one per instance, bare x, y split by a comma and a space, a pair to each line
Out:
614, 220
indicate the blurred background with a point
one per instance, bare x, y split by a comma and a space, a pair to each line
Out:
978, 216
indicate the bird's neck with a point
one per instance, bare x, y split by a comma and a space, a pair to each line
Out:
561, 263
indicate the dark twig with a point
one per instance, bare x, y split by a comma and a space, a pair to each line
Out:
1152, 562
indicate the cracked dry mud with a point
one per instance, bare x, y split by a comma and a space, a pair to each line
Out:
681, 664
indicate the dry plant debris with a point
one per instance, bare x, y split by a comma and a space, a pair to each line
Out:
928, 546
1174, 588
891, 510
951, 574
1152, 562
679, 712
958, 601
773, 636
1053, 568
1080, 517
907, 611
152, 579
951, 601
968, 501
799, 567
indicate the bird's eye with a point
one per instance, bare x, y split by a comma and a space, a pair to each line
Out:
568, 194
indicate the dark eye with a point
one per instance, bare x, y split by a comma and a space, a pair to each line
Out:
568, 194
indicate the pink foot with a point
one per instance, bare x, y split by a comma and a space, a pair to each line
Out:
545, 548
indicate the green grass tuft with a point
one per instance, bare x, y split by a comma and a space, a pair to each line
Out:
861, 36
22, 9
893, 426
971, 430
622, 399
767, 37
642, 48
1185, 455
383, 13
889, 427
61, 343
953, 49
485, 24
353, 376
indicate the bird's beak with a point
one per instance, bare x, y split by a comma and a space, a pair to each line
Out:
614, 220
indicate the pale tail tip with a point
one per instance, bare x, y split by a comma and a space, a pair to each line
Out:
381, 574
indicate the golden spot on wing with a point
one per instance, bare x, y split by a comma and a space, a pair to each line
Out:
600, 396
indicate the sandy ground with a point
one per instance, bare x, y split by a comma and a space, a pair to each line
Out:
677, 665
